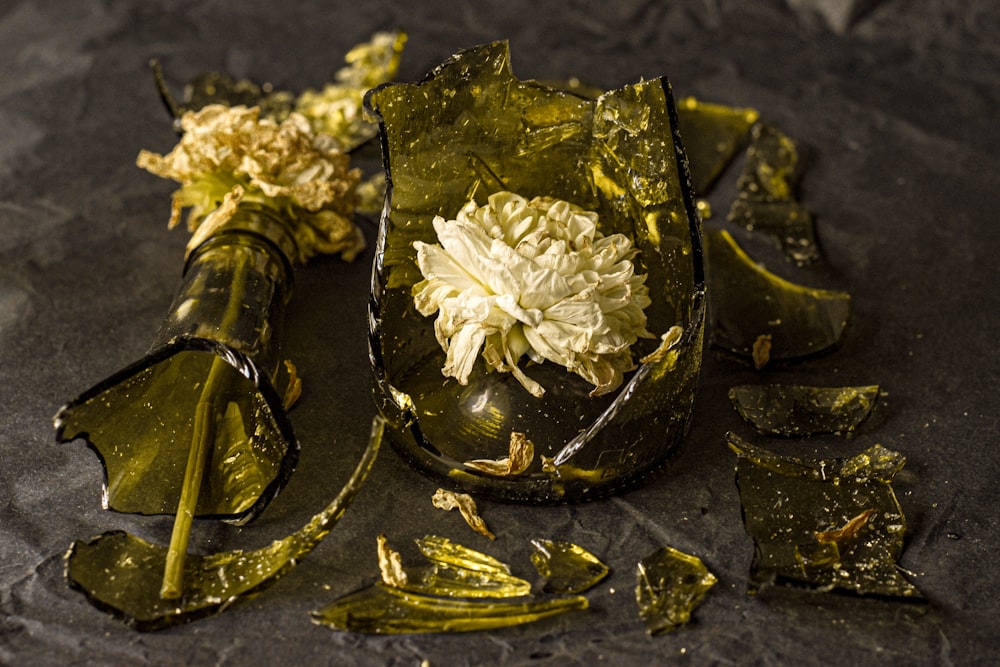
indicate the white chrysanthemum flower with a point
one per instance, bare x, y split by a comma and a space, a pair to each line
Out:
230, 154
535, 278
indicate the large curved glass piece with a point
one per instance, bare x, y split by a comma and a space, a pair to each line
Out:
469, 130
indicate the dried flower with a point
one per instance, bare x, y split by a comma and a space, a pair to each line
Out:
229, 155
338, 109
535, 277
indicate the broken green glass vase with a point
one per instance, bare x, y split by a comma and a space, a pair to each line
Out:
208, 381
470, 130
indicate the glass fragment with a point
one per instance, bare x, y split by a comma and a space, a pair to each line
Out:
766, 200
712, 134
143, 420
797, 410
825, 524
748, 302
220, 88
671, 584
462, 590
458, 571
122, 574
567, 567
382, 609
790, 224
770, 169
443, 551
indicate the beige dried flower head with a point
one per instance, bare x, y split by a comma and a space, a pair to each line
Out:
338, 109
229, 155
535, 278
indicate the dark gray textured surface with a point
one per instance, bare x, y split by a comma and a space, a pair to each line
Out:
894, 101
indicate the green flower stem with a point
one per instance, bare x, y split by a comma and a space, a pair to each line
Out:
203, 435
201, 445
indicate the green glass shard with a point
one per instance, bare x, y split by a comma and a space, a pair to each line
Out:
770, 169
712, 135
748, 302
766, 201
567, 567
382, 609
796, 410
456, 582
458, 571
443, 551
671, 584
140, 426
826, 524
788, 222
122, 573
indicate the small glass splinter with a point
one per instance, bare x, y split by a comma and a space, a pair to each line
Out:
567, 568
670, 585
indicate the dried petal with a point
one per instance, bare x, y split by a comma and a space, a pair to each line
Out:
761, 351
667, 342
849, 530
449, 500
522, 452
390, 564
294, 389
